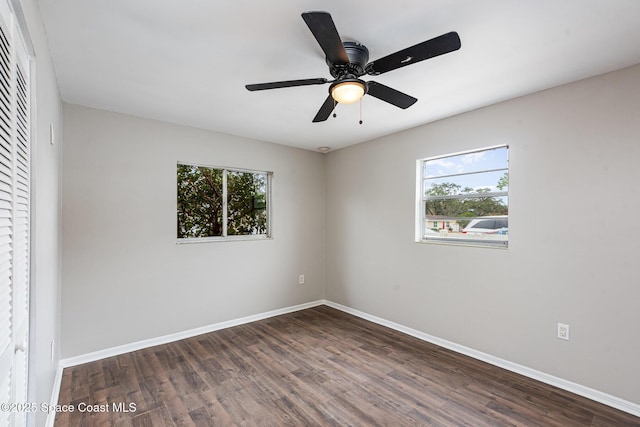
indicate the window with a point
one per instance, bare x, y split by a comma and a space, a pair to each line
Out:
463, 198
222, 203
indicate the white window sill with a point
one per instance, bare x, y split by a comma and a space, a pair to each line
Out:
222, 239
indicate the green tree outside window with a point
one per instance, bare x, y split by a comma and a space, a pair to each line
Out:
204, 193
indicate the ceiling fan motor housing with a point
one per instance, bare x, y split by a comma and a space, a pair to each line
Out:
358, 57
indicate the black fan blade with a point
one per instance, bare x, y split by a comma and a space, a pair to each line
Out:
287, 83
324, 30
428, 49
392, 96
325, 111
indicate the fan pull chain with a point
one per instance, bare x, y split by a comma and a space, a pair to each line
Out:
335, 104
360, 111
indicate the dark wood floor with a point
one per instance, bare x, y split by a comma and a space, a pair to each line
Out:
315, 367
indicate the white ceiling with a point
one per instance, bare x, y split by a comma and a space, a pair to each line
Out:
187, 61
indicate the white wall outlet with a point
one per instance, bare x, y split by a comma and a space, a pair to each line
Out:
301, 279
563, 331
53, 350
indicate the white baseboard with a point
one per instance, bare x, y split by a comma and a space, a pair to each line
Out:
589, 393
598, 396
55, 394
139, 345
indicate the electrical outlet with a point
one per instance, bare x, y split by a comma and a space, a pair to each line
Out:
563, 331
301, 279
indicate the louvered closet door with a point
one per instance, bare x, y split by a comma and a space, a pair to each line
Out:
6, 223
21, 215
14, 217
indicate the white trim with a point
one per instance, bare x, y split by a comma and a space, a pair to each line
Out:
225, 204
55, 394
231, 169
233, 238
23, 29
419, 223
268, 235
422, 198
139, 345
589, 393
459, 153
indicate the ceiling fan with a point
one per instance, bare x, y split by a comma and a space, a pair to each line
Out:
348, 61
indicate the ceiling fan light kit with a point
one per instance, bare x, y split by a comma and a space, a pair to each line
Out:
348, 91
348, 61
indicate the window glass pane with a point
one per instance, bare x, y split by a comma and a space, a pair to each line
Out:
467, 184
247, 203
468, 230
199, 201
495, 158
467, 207
460, 201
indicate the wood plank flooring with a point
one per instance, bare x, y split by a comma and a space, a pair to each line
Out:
314, 367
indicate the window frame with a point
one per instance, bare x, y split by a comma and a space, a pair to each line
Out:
421, 199
234, 237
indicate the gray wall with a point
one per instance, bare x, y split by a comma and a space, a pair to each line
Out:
46, 216
573, 160
126, 279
